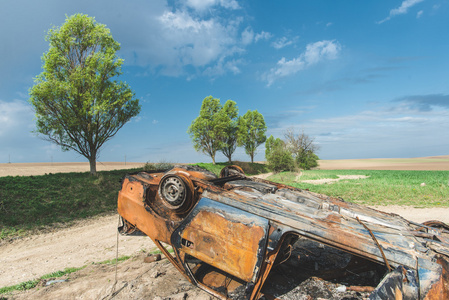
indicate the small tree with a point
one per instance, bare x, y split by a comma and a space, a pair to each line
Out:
228, 137
78, 104
309, 161
277, 155
303, 149
252, 130
207, 128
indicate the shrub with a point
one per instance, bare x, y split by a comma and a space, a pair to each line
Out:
278, 156
308, 161
160, 166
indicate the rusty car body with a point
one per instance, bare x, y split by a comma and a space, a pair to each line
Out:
228, 232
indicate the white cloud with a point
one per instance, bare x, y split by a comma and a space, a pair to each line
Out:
174, 40
281, 43
169, 42
314, 53
247, 36
323, 50
230, 4
419, 14
193, 41
263, 36
403, 9
202, 5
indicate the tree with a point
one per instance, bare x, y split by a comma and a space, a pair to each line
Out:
228, 137
277, 155
206, 129
303, 148
252, 130
78, 102
309, 161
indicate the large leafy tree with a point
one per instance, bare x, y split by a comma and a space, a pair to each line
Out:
207, 128
252, 130
78, 101
228, 115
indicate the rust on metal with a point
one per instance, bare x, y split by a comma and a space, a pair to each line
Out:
229, 233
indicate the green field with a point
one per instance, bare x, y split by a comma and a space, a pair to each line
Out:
381, 188
30, 202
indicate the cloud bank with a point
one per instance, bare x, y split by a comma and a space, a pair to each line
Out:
401, 10
315, 53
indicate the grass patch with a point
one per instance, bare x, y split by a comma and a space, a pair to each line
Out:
157, 251
381, 188
113, 261
248, 168
35, 202
27, 285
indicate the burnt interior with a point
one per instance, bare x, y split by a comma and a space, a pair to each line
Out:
309, 259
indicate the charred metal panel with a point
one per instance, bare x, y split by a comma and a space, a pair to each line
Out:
402, 283
225, 237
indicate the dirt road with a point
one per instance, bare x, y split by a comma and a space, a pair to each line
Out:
86, 242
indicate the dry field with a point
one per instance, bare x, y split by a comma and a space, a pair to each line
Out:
27, 169
421, 163
432, 163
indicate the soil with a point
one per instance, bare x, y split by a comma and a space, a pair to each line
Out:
95, 240
432, 163
34, 169
330, 181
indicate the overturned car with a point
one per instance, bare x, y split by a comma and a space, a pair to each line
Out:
228, 232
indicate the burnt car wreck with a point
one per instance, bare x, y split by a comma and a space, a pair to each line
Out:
229, 232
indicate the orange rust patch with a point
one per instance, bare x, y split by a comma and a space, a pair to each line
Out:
333, 218
229, 246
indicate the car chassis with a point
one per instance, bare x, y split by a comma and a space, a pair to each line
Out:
228, 232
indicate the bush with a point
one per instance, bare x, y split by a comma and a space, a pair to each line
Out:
281, 160
160, 166
307, 161
277, 155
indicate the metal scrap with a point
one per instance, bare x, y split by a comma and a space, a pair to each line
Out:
229, 232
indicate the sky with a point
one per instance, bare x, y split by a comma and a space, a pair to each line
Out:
365, 79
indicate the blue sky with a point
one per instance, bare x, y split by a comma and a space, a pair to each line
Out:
366, 79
